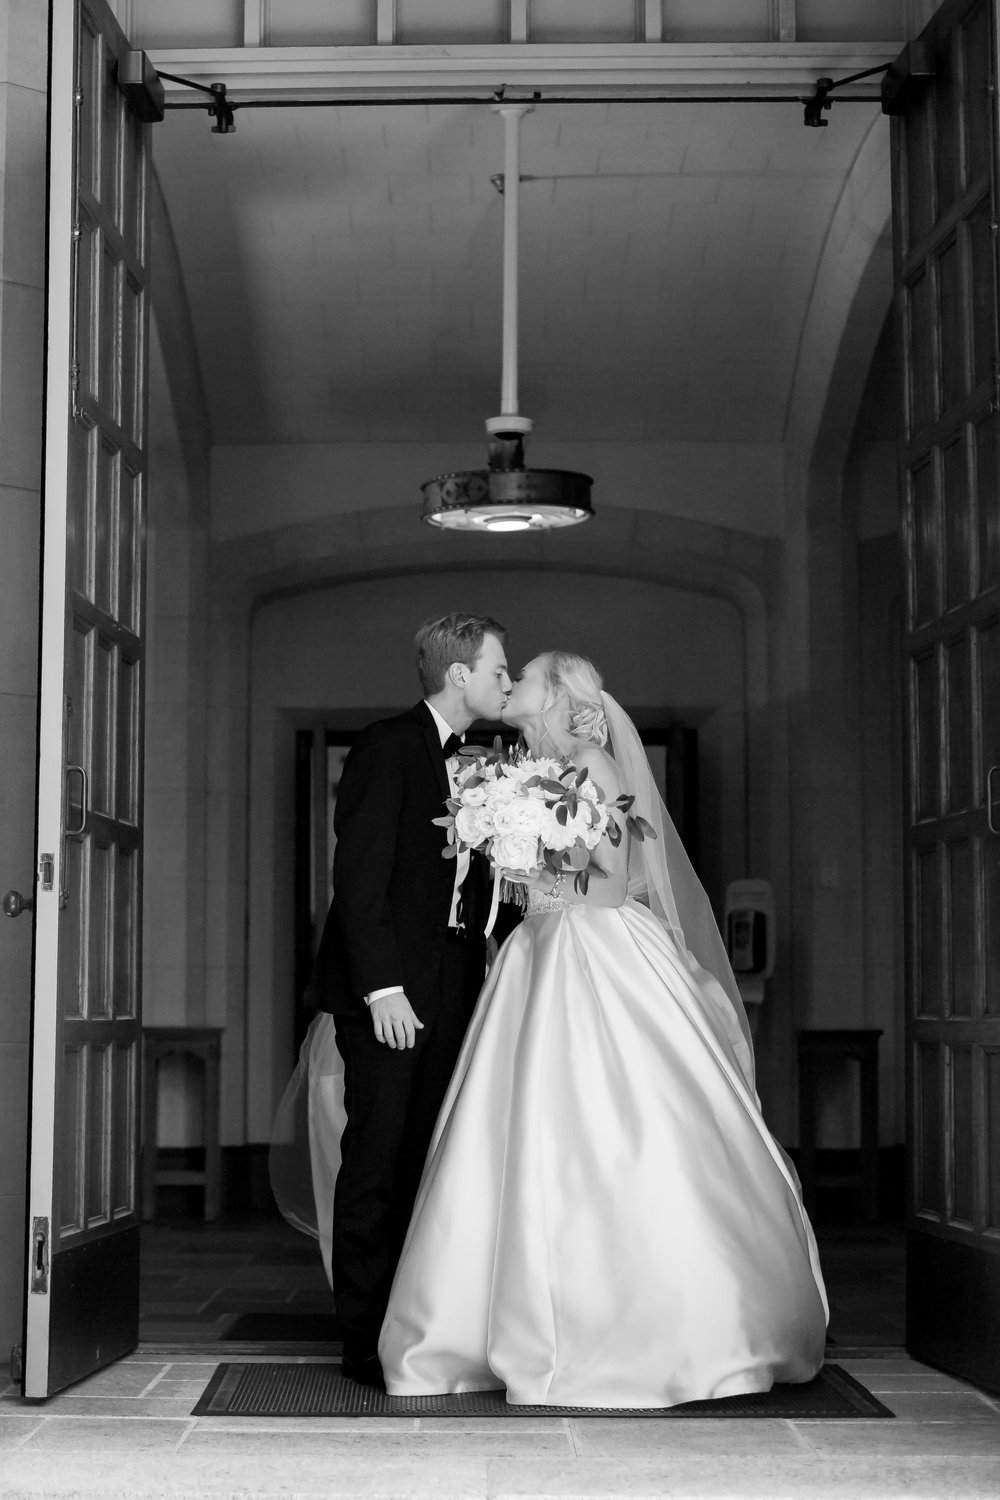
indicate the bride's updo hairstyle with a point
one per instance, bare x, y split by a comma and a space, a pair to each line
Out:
580, 680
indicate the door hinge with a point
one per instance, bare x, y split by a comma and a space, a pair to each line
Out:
46, 871
16, 1365
40, 1255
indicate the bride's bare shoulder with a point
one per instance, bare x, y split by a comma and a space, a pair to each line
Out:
599, 766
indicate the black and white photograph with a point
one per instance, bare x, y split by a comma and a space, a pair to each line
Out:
500, 713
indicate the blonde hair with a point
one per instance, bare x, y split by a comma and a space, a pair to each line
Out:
580, 680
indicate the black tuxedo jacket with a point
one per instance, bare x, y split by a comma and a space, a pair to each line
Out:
392, 888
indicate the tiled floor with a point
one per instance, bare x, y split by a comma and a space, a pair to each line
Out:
129, 1431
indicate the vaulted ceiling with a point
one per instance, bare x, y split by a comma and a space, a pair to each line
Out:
343, 266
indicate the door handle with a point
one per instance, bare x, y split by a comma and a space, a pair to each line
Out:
14, 904
73, 833
990, 800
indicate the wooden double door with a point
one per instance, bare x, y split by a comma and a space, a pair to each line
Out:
945, 166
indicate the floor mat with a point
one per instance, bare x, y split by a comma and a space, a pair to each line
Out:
319, 1390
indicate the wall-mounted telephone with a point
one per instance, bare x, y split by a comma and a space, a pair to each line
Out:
746, 939
750, 934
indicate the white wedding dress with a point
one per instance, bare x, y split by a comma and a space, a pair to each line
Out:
604, 1218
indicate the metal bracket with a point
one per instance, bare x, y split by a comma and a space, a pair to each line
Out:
140, 83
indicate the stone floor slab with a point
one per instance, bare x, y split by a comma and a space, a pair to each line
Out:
91, 1434
491, 1424
379, 1446
15, 1430
141, 1477
183, 1390
66, 1405
940, 1406
279, 1425
961, 1439
121, 1379
750, 1478
877, 1381
653, 1439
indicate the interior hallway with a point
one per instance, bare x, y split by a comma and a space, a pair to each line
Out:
129, 1429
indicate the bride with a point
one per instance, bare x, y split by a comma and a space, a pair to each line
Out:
604, 1218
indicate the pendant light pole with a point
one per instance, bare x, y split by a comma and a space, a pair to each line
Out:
512, 115
508, 496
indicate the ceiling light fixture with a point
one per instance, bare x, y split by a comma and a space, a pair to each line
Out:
507, 496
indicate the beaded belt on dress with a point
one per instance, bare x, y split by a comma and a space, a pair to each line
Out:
537, 902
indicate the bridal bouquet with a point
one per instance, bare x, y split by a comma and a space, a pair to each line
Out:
529, 813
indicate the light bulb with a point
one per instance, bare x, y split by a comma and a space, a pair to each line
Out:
509, 523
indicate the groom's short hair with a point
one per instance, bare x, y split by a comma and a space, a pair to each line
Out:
451, 638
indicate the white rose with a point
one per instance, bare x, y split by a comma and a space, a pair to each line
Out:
467, 825
515, 851
546, 767
473, 796
530, 816
505, 818
559, 836
505, 790
562, 835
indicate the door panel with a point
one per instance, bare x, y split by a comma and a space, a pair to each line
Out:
945, 210
82, 1302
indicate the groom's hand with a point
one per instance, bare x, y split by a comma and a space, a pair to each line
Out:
394, 1020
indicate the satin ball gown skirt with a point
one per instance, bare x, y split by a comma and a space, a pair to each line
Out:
604, 1218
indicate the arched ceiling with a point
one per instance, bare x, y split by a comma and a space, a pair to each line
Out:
342, 266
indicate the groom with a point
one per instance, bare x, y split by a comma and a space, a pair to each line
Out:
401, 960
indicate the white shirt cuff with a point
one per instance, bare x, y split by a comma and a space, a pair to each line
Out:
393, 989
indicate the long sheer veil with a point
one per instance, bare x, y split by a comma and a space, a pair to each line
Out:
304, 1156
661, 876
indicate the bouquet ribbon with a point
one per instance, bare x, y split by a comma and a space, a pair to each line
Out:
495, 900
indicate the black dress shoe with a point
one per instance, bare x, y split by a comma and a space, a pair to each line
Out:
366, 1371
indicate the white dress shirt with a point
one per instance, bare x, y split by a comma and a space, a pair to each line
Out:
463, 858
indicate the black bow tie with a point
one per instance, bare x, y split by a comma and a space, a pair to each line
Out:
452, 745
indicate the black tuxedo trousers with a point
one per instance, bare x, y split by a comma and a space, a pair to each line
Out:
388, 925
